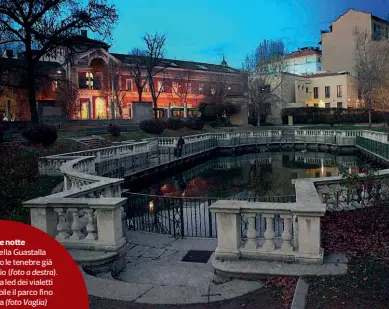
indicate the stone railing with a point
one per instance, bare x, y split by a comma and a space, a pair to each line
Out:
300, 237
339, 194
109, 152
87, 215
376, 136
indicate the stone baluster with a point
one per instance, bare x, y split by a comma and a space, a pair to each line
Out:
91, 226
286, 235
251, 232
61, 226
269, 234
76, 225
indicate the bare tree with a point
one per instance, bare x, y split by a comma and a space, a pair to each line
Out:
115, 87
181, 86
137, 69
48, 25
264, 66
372, 70
155, 65
67, 94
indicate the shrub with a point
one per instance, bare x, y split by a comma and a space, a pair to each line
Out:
41, 134
3, 128
175, 123
114, 129
194, 123
253, 121
152, 126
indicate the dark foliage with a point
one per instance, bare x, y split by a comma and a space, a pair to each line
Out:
3, 128
41, 134
316, 115
114, 129
152, 126
194, 123
175, 123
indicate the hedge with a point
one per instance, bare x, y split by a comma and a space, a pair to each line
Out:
316, 115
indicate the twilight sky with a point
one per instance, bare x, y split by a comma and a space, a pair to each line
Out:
202, 30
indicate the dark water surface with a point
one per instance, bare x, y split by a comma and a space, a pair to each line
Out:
252, 175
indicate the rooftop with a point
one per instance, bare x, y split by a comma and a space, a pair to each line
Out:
304, 53
181, 64
325, 74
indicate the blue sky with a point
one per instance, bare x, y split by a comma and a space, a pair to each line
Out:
202, 30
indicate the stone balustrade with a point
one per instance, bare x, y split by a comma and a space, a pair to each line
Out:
110, 152
300, 237
80, 223
376, 136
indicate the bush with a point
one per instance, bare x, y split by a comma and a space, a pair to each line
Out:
175, 123
317, 115
41, 134
152, 126
194, 123
253, 121
3, 128
114, 129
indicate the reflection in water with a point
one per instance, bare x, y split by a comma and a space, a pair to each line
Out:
252, 175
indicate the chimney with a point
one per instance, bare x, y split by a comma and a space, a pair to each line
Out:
84, 33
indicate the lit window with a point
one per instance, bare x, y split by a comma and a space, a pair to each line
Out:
213, 89
327, 92
315, 92
339, 91
89, 80
146, 87
188, 87
129, 85
175, 86
55, 85
201, 88
161, 87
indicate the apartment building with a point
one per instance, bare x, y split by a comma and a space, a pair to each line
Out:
305, 61
327, 90
338, 43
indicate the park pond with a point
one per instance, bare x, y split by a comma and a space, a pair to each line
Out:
178, 205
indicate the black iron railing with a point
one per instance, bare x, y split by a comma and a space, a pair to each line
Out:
179, 216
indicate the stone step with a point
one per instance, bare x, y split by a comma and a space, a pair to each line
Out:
334, 264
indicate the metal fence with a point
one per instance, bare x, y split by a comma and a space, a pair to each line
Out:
184, 216
381, 149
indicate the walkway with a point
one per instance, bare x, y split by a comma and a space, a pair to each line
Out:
156, 274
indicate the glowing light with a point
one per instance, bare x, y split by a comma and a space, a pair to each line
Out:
151, 205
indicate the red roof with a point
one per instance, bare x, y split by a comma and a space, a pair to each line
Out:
303, 53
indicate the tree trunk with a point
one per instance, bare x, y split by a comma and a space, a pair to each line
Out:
370, 117
31, 92
140, 95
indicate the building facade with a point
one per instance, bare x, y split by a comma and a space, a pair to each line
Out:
106, 88
327, 90
338, 44
305, 61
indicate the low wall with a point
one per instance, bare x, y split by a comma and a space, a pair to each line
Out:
87, 215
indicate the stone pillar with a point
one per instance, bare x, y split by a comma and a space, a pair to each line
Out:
185, 109
44, 219
309, 250
9, 110
169, 110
